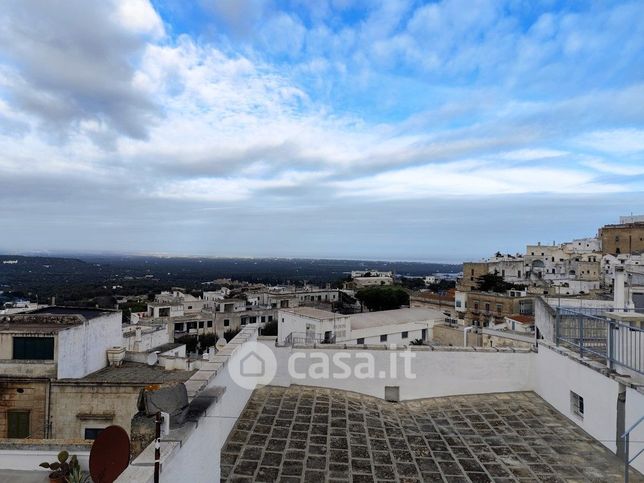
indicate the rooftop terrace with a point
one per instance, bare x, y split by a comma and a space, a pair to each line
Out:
312, 434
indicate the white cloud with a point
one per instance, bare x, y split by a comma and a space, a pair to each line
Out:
472, 178
616, 141
531, 154
140, 17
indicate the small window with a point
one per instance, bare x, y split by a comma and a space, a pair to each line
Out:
405, 335
189, 308
361, 340
201, 325
576, 404
18, 424
209, 323
226, 322
92, 433
244, 320
33, 348
383, 338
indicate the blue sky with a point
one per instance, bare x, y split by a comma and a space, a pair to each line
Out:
393, 130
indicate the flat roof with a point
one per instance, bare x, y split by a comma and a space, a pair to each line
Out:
484, 437
136, 373
87, 313
314, 313
38, 323
391, 317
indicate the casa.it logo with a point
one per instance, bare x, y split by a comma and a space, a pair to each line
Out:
252, 364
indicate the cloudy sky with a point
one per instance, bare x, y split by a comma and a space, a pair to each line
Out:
393, 129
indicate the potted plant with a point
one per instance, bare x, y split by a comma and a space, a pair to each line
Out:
61, 469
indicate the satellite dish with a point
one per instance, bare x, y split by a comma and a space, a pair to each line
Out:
220, 344
110, 455
152, 359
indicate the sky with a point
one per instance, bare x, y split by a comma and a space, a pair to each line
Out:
393, 130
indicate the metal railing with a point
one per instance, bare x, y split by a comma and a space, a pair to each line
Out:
592, 334
304, 338
626, 438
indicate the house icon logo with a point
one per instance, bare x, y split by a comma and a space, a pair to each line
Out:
252, 364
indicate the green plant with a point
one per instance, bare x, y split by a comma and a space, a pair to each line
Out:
76, 475
270, 328
61, 468
230, 334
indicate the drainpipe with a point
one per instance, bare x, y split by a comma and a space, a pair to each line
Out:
465, 331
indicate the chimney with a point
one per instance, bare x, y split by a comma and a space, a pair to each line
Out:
619, 288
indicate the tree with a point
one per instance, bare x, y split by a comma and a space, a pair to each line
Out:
270, 328
412, 283
493, 282
383, 298
230, 334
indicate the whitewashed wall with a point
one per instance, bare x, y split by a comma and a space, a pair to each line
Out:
27, 457
438, 373
634, 411
556, 375
199, 458
82, 349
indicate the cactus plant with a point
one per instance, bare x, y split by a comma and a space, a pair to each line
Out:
61, 468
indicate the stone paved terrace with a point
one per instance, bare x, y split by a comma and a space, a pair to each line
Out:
304, 434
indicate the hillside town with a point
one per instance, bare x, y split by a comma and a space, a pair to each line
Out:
70, 372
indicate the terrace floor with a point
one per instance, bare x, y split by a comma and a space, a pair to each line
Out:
305, 434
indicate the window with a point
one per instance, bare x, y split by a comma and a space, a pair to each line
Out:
18, 424
576, 404
270, 318
201, 325
383, 338
244, 320
189, 307
263, 318
487, 307
209, 323
361, 340
178, 327
405, 335
36, 348
92, 433
499, 308
226, 322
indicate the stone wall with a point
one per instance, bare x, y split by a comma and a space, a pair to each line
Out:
75, 407
445, 335
29, 395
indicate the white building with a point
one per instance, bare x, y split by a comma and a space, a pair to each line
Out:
402, 326
58, 342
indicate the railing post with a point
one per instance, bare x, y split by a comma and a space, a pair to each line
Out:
581, 335
610, 349
557, 323
626, 461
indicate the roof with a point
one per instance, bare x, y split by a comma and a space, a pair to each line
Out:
393, 317
136, 373
87, 313
314, 313
522, 319
38, 323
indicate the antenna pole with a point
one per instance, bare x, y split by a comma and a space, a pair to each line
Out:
157, 447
